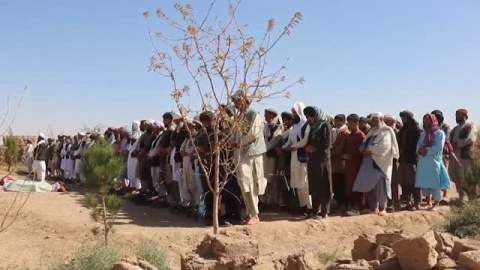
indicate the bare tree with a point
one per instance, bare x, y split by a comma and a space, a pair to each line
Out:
6, 121
211, 60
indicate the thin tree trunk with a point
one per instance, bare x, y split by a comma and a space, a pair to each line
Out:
216, 224
105, 225
216, 184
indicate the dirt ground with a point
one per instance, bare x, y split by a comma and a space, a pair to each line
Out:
53, 226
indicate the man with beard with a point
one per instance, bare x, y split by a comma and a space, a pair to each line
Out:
319, 167
144, 144
286, 196
40, 155
340, 133
297, 140
463, 138
446, 153
391, 121
252, 146
407, 142
353, 160
165, 150
273, 135
176, 140
154, 161
374, 178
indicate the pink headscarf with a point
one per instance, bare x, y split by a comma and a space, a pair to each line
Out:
430, 131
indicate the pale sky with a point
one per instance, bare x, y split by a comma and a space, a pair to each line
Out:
85, 62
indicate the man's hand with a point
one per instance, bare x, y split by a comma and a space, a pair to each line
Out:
310, 149
423, 151
367, 153
279, 149
346, 156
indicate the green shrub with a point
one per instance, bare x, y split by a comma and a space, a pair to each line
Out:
99, 257
102, 168
154, 255
13, 152
464, 220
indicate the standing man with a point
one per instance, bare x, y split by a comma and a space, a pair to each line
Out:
250, 175
28, 156
391, 121
286, 197
319, 166
432, 175
340, 133
407, 141
273, 136
379, 149
446, 155
40, 154
353, 158
463, 138
144, 144
298, 167
154, 161
78, 154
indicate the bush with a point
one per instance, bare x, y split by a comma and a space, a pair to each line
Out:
102, 167
99, 257
465, 219
152, 254
13, 152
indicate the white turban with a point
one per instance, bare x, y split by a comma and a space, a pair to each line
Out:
41, 135
177, 116
377, 114
81, 134
149, 122
390, 117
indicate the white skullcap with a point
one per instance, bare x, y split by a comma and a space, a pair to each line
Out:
177, 116
149, 122
81, 134
390, 117
41, 135
377, 114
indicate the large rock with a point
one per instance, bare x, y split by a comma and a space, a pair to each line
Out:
382, 253
363, 249
126, 266
240, 250
469, 260
223, 252
146, 265
194, 262
388, 239
463, 246
417, 253
390, 264
306, 261
351, 267
445, 263
445, 242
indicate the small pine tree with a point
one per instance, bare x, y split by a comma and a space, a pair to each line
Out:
102, 167
13, 152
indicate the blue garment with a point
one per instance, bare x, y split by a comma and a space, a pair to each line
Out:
431, 172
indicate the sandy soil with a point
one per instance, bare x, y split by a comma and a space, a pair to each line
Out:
53, 226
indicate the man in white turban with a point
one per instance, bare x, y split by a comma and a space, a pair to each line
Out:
296, 143
374, 178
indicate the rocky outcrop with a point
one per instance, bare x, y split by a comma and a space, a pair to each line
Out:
417, 253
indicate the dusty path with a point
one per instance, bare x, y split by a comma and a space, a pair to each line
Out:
53, 226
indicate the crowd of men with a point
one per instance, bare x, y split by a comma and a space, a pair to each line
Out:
294, 161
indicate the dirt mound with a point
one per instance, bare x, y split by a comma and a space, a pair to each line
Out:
223, 251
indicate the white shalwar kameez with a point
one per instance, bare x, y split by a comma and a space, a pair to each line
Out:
299, 170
